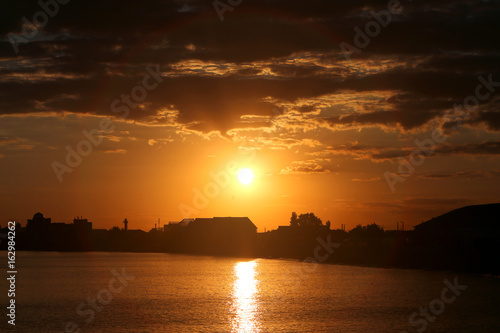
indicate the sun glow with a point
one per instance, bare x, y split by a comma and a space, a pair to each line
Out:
245, 176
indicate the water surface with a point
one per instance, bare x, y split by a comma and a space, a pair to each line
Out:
178, 293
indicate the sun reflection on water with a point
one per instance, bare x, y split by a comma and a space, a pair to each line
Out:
245, 303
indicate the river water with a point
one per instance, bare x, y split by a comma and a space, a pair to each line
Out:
150, 292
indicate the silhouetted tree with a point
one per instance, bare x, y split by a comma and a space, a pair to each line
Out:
293, 220
374, 229
371, 230
357, 230
328, 224
309, 219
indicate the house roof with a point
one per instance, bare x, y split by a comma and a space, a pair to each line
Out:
477, 216
224, 222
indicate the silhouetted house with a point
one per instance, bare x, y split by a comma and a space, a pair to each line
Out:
136, 232
220, 235
284, 228
226, 225
466, 227
465, 237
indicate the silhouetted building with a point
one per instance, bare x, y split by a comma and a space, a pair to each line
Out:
38, 222
82, 224
42, 234
216, 236
224, 225
465, 238
471, 227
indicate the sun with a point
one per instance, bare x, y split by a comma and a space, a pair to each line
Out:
245, 176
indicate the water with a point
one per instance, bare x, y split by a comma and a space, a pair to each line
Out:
177, 293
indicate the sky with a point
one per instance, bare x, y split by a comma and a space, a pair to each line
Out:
359, 111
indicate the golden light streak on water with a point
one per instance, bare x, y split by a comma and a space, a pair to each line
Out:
245, 303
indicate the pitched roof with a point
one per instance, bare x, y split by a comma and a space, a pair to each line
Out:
477, 216
224, 222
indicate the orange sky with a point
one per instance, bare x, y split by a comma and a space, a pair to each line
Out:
129, 176
174, 95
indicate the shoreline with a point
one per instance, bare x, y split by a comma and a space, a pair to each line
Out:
428, 269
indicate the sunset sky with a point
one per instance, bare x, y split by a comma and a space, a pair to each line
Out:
269, 87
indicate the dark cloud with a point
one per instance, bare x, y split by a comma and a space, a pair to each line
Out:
428, 57
483, 148
491, 119
407, 120
472, 174
384, 153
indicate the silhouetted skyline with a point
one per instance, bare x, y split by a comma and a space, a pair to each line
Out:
464, 239
354, 109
